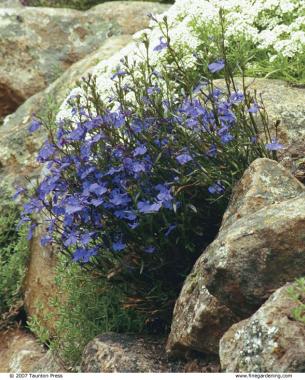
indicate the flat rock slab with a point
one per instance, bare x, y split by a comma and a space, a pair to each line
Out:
114, 352
270, 341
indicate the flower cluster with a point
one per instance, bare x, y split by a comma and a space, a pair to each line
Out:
273, 31
135, 184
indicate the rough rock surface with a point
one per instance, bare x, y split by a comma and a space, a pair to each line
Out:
114, 352
252, 256
31, 57
39, 284
283, 103
20, 352
17, 159
264, 183
270, 341
18, 148
10, 4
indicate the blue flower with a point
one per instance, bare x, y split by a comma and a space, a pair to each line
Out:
73, 205
216, 188
45, 240
97, 189
183, 158
226, 138
46, 151
149, 249
19, 191
153, 90
162, 45
212, 151
254, 108
77, 134
274, 145
31, 231
118, 73
149, 208
216, 66
117, 198
140, 150
118, 246
164, 193
237, 97
170, 229
84, 255
125, 214
34, 125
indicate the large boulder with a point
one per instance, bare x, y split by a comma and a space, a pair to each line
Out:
263, 184
38, 44
18, 148
270, 341
112, 352
260, 248
17, 155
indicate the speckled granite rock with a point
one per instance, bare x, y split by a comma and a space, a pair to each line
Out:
124, 353
21, 352
18, 148
251, 256
264, 183
32, 57
270, 341
114, 352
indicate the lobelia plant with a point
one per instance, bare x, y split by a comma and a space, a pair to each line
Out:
136, 186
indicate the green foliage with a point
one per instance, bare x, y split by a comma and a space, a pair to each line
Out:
297, 293
77, 4
196, 142
245, 57
86, 305
14, 251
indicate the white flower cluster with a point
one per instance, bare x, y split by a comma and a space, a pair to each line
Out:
275, 25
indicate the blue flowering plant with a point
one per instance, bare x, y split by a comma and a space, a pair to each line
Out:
135, 186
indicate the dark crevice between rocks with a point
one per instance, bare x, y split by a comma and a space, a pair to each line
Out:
21, 317
9, 101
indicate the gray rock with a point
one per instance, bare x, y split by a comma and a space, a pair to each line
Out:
270, 341
39, 44
240, 269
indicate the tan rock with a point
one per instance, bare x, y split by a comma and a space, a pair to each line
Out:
123, 353
270, 341
264, 183
31, 57
197, 317
18, 149
39, 285
251, 256
19, 351
127, 353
